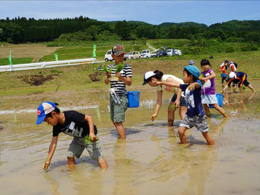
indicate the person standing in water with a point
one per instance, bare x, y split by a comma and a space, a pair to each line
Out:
118, 94
195, 116
208, 91
177, 100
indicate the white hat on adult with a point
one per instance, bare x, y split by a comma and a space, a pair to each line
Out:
148, 75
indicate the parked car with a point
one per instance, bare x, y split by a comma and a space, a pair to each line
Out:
161, 53
145, 53
178, 52
172, 52
153, 54
108, 56
133, 55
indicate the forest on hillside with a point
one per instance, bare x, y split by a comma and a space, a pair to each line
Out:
23, 30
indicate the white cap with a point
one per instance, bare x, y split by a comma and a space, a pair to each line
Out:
147, 75
222, 64
232, 75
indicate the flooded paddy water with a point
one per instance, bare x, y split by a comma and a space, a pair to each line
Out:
150, 161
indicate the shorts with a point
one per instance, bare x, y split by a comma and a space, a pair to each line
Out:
246, 83
183, 101
78, 144
209, 99
199, 122
117, 111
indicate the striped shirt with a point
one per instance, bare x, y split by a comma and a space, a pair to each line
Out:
119, 86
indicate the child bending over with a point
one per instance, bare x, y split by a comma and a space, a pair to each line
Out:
75, 124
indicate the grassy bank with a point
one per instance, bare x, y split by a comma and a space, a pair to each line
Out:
76, 77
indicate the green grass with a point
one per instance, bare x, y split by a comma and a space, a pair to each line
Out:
5, 61
76, 77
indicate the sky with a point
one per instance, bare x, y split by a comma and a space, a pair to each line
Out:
153, 12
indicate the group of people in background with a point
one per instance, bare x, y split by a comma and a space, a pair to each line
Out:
192, 95
233, 76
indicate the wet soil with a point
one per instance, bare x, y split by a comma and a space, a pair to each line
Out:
150, 161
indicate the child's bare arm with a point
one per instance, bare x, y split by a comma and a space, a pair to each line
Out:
108, 75
194, 85
92, 135
204, 79
212, 75
52, 148
127, 80
170, 83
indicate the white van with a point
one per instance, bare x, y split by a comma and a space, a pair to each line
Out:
146, 53
133, 55
108, 56
172, 52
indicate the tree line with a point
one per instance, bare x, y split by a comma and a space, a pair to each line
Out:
23, 30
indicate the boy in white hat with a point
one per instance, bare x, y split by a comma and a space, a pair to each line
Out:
239, 78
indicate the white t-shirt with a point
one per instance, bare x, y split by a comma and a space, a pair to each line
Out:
168, 88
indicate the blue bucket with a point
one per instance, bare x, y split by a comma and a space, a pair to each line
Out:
220, 98
133, 99
223, 75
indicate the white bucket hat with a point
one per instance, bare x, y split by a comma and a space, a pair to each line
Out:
232, 75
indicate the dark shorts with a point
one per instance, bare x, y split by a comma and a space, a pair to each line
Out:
183, 102
246, 83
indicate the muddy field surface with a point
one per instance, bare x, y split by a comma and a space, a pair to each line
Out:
150, 161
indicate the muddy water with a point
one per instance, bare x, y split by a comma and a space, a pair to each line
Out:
150, 161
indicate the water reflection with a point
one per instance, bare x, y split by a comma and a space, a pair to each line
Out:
217, 128
53, 183
150, 161
123, 170
90, 182
198, 170
241, 103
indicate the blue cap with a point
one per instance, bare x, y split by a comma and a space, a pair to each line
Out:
191, 62
43, 109
193, 70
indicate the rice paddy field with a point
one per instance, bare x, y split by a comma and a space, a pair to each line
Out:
150, 160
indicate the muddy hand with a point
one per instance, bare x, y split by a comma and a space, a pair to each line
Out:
153, 117
46, 165
93, 139
118, 74
108, 74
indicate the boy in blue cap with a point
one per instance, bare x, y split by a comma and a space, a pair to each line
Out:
195, 115
75, 124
